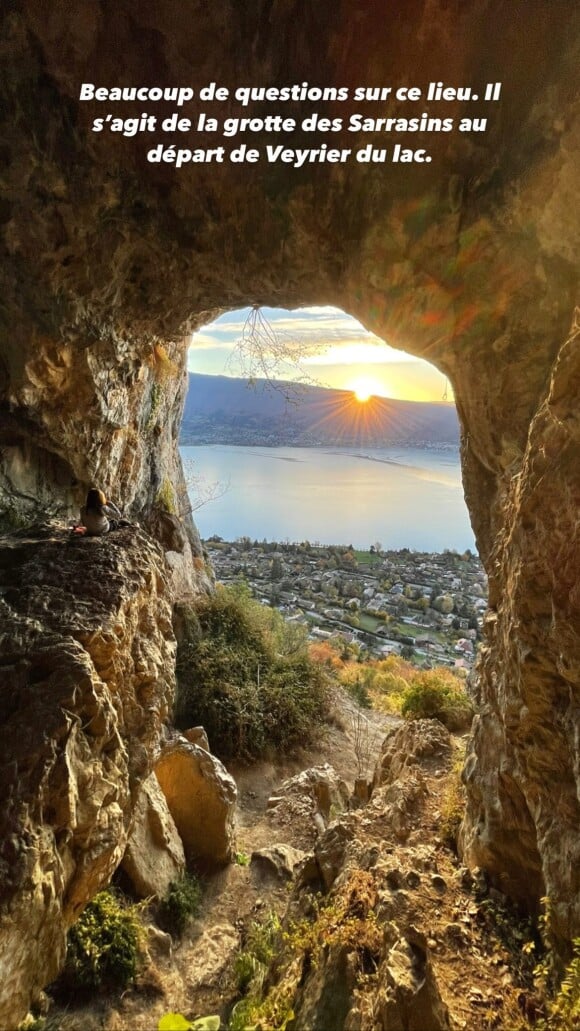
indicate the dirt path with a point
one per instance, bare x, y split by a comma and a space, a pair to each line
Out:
473, 967
197, 975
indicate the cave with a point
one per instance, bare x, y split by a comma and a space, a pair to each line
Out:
109, 261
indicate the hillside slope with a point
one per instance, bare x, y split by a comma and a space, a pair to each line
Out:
225, 410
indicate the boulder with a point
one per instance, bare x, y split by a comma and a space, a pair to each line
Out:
154, 856
277, 861
212, 955
323, 785
201, 797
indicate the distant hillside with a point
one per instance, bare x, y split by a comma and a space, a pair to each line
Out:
223, 410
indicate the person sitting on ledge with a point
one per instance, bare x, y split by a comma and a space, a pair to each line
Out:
99, 515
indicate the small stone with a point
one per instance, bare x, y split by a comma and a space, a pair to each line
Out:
159, 943
394, 879
438, 882
197, 736
466, 878
454, 932
476, 996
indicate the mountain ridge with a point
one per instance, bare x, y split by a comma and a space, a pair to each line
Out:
230, 410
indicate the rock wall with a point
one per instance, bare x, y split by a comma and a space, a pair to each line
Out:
471, 262
87, 659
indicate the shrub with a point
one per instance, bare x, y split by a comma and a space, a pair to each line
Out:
258, 952
177, 1022
181, 902
262, 942
358, 690
104, 945
248, 678
564, 1008
325, 654
437, 694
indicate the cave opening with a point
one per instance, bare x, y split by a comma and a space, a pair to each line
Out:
303, 424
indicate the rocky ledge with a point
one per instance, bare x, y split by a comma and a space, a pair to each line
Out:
87, 678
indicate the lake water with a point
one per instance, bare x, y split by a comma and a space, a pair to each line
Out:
400, 497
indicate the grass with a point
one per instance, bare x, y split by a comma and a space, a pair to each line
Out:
365, 558
369, 623
261, 945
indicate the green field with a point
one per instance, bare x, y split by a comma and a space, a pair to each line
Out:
364, 558
369, 623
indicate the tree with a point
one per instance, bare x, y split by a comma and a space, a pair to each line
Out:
199, 490
276, 570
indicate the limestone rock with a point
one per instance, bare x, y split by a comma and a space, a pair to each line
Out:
201, 797
322, 784
197, 736
154, 856
277, 861
87, 652
159, 943
326, 997
410, 1000
361, 792
214, 951
408, 745
398, 802
330, 852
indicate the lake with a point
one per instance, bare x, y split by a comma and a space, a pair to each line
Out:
400, 497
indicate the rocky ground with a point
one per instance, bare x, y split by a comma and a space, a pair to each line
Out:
438, 956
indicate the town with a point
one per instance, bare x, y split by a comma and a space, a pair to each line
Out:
426, 607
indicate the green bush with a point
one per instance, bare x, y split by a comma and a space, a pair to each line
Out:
438, 694
247, 678
104, 945
358, 690
181, 902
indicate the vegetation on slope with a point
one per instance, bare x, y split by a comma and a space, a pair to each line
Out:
246, 675
394, 685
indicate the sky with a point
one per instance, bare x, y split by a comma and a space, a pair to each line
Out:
319, 345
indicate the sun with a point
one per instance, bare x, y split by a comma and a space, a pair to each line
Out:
363, 388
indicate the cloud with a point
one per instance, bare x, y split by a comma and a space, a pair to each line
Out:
319, 335
201, 341
355, 352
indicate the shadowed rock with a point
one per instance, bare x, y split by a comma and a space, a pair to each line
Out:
154, 856
87, 656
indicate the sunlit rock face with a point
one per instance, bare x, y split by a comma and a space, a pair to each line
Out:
87, 655
470, 261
